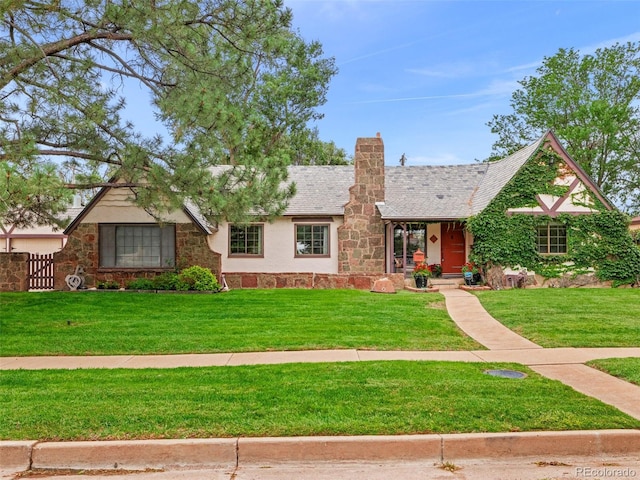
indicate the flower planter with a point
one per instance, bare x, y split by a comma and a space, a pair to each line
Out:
468, 278
421, 281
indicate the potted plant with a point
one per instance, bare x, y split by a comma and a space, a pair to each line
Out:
471, 273
436, 270
421, 273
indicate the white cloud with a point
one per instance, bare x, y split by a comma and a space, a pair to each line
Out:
589, 49
496, 88
524, 66
454, 70
460, 69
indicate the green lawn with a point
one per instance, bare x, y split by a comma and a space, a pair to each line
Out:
111, 323
358, 398
625, 368
569, 317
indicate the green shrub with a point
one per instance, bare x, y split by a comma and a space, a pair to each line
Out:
166, 281
108, 285
198, 278
140, 284
191, 278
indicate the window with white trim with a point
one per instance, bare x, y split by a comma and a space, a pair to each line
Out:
312, 240
552, 239
137, 246
246, 240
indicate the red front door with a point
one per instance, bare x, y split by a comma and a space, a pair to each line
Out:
453, 251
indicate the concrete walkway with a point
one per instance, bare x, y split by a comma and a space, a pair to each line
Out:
465, 309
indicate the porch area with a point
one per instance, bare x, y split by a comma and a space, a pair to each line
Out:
443, 243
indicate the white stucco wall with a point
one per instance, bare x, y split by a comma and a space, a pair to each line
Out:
42, 239
434, 249
115, 207
279, 250
35, 245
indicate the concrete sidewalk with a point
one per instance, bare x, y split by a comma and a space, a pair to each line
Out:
563, 364
529, 357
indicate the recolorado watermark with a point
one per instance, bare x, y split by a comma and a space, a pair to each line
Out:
606, 472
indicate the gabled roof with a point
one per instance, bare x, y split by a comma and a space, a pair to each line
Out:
500, 172
189, 209
418, 192
448, 192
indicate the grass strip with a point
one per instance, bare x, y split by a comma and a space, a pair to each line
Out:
357, 398
568, 317
625, 368
112, 323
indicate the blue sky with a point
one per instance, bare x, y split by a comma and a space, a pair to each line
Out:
429, 74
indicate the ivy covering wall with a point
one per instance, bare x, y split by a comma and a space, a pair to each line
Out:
599, 242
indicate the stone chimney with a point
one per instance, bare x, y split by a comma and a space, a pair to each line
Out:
361, 237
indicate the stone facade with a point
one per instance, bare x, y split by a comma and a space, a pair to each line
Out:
14, 272
358, 281
192, 249
82, 249
361, 239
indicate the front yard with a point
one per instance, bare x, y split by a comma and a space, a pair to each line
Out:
392, 397
113, 323
569, 317
287, 400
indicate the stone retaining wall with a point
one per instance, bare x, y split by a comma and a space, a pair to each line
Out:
13, 272
310, 280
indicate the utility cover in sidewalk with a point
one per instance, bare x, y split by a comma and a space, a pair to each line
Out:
505, 373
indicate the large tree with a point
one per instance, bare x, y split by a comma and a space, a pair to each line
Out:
310, 150
592, 103
229, 81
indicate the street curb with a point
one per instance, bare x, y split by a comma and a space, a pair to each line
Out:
135, 454
16, 454
591, 443
339, 449
232, 452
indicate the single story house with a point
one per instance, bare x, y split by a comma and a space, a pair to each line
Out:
355, 222
40, 239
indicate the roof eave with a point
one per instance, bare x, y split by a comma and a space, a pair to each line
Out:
431, 219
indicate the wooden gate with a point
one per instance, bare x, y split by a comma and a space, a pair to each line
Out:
40, 271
